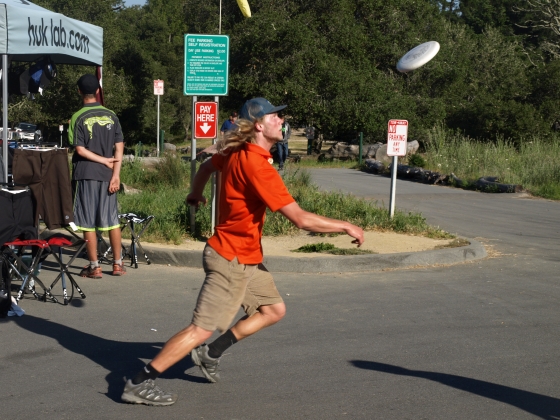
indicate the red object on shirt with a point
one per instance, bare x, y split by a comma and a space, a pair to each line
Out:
250, 184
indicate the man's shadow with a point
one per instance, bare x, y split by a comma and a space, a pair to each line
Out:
539, 405
119, 358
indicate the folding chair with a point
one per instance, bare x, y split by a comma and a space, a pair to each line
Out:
12, 253
64, 243
102, 244
130, 220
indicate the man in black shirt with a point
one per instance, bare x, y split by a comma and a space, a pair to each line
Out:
96, 133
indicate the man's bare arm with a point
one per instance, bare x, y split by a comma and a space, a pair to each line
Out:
319, 224
115, 183
89, 155
200, 179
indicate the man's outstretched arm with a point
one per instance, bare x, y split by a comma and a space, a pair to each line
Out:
319, 224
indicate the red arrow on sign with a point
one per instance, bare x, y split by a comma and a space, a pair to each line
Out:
205, 120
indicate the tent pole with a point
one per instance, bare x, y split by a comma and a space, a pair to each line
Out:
5, 115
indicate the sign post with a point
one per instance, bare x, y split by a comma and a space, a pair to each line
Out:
206, 127
397, 134
206, 73
158, 91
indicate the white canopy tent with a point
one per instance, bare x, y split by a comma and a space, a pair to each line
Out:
29, 32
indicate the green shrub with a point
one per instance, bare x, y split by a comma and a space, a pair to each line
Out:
533, 163
163, 193
416, 160
327, 248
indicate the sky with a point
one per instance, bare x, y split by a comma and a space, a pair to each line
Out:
129, 3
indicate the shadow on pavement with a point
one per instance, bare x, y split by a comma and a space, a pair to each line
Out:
539, 405
119, 358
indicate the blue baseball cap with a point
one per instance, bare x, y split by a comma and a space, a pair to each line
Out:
257, 108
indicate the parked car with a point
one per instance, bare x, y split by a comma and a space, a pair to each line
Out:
28, 131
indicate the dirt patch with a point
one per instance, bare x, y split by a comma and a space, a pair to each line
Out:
377, 242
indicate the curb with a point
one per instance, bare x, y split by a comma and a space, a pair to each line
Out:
333, 263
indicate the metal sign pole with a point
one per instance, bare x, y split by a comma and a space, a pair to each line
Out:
215, 178
157, 141
397, 134
5, 115
193, 165
393, 187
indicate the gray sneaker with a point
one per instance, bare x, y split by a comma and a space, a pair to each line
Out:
148, 393
207, 365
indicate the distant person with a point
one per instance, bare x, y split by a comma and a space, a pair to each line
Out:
229, 123
232, 258
310, 134
282, 146
96, 133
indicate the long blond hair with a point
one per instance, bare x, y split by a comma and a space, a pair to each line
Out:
243, 132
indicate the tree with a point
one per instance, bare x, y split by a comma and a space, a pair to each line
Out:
545, 14
480, 14
332, 61
449, 8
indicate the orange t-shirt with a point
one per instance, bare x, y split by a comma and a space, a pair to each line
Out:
249, 185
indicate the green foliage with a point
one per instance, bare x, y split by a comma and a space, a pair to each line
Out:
159, 197
332, 62
533, 164
416, 160
327, 248
320, 247
162, 194
344, 207
479, 14
171, 171
167, 205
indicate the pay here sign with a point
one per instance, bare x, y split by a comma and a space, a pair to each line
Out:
205, 120
397, 134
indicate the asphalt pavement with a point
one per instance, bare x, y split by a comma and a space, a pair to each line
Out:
472, 340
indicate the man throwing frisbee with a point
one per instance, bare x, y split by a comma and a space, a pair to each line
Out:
232, 258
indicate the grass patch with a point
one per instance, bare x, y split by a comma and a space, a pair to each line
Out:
456, 243
163, 191
313, 162
336, 205
533, 163
326, 248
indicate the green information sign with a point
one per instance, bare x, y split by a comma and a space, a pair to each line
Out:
206, 65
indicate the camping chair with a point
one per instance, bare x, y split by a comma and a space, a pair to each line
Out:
101, 244
130, 221
61, 243
13, 253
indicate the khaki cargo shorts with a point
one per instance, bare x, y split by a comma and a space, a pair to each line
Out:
228, 286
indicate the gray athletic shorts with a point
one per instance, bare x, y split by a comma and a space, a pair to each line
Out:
94, 207
228, 286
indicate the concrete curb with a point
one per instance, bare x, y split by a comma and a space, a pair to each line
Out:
332, 263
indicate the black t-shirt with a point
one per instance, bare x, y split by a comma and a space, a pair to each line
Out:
98, 130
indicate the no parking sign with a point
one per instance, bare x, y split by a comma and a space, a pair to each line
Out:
397, 134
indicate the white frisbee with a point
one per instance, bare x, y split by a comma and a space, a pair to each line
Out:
418, 56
